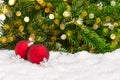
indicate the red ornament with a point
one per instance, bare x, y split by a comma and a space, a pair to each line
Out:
37, 53
21, 48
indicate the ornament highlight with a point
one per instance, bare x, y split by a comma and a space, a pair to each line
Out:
21, 48
38, 53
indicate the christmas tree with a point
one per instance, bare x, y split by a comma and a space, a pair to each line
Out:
62, 25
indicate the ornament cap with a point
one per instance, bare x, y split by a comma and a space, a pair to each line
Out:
31, 43
32, 37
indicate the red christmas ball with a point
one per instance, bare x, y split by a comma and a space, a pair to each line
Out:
21, 48
37, 53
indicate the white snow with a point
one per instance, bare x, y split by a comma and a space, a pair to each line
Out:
61, 66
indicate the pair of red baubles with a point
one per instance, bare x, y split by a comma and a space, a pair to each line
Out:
35, 53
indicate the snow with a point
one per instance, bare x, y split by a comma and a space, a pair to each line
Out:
61, 66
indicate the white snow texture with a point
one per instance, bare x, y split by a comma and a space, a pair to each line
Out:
61, 66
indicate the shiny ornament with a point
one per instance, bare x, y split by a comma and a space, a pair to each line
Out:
57, 21
79, 37
22, 47
84, 13
98, 20
3, 39
65, 0
95, 26
38, 53
63, 36
51, 16
37, 7
100, 4
107, 18
6, 27
68, 7
26, 19
58, 45
40, 1
100, 7
115, 24
105, 30
112, 3
47, 10
113, 36
21, 28
91, 15
18, 13
53, 38
111, 27
69, 33
62, 26
5, 9
67, 13
80, 21
2, 17
11, 2
10, 38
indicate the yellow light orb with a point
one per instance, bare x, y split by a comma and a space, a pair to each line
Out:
80, 21
111, 27
21, 28
65, 0
84, 13
63, 36
105, 30
57, 21
40, 1
18, 13
91, 15
26, 19
11, 2
37, 7
2, 17
6, 27
10, 38
3, 39
113, 36
98, 20
69, 33
51, 16
58, 45
53, 38
95, 26
115, 24
67, 13
107, 18
47, 10
112, 3
62, 26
